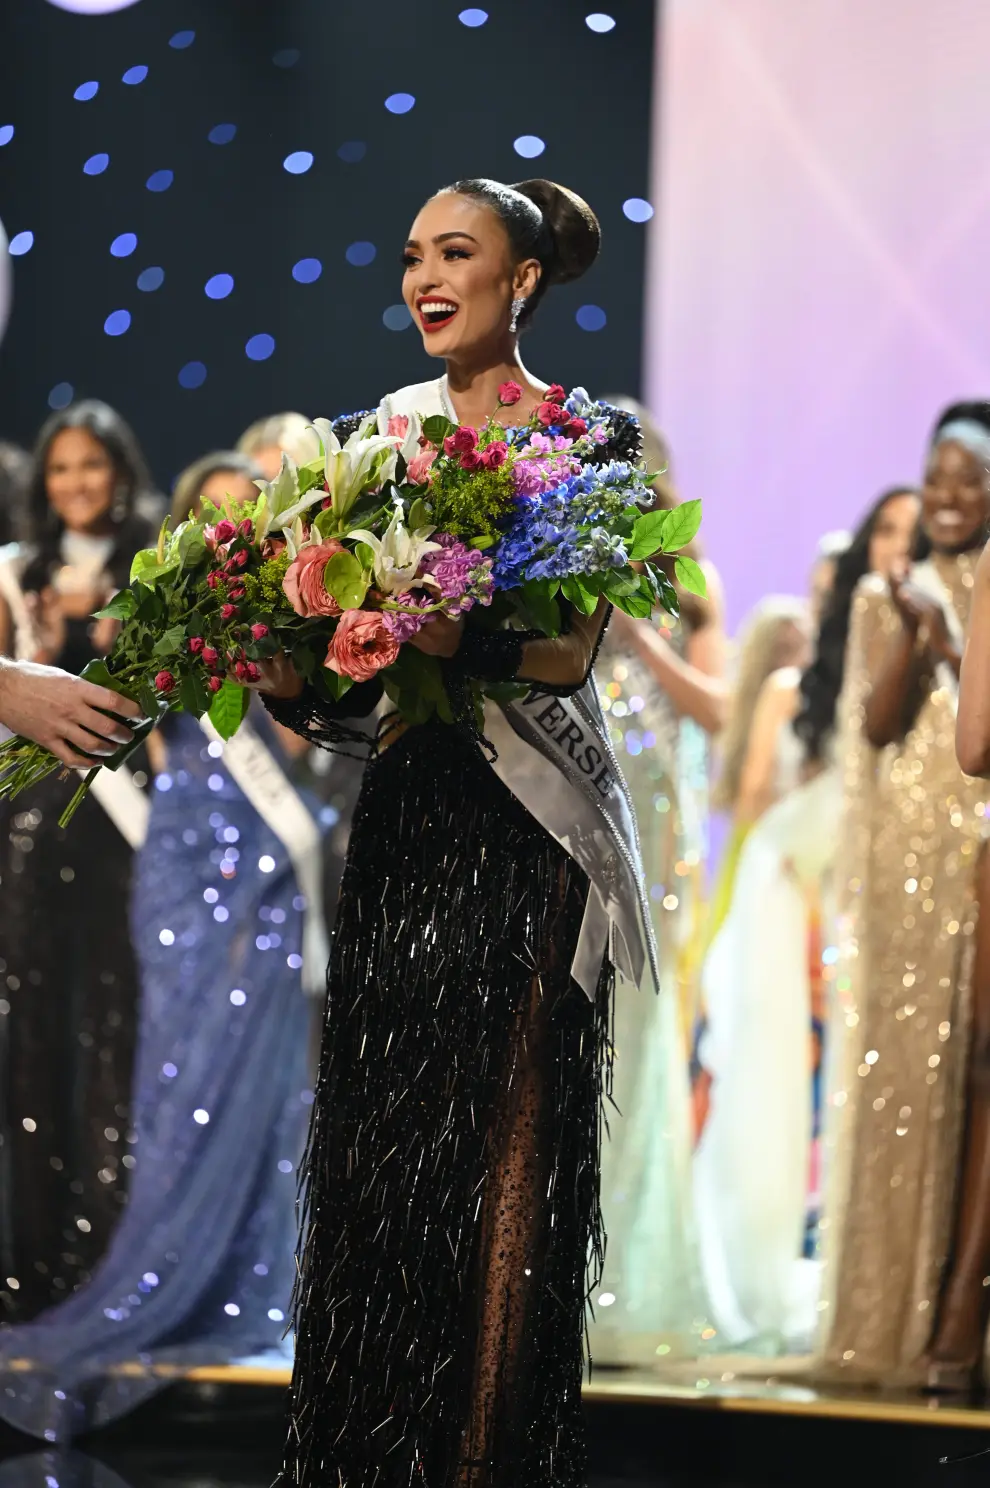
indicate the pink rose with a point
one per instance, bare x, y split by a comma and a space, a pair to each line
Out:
259, 631
196, 644
228, 611
471, 460
210, 656
164, 682
362, 644
509, 393
303, 583
495, 454
418, 469
461, 441
215, 684
224, 531
398, 425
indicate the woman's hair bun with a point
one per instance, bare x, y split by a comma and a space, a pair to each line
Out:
571, 224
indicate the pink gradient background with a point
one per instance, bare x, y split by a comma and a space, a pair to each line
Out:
819, 261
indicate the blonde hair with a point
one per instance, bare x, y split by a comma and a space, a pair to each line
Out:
291, 432
761, 652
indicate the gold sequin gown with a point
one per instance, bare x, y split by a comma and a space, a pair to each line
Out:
650, 1297
909, 844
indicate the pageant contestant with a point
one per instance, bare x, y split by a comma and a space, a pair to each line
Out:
453, 1169
906, 883
71, 983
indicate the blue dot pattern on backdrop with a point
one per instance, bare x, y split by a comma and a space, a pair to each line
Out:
193, 375
150, 279
160, 180
6, 133
528, 146
61, 395
84, 93
307, 270
298, 163
397, 318
473, 17
134, 75
222, 134
117, 322
97, 164
351, 151
21, 242
219, 287
399, 103
600, 22
259, 348
361, 254
591, 317
286, 57
124, 245
637, 209
181, 40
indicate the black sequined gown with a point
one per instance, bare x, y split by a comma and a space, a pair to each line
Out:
452, 1172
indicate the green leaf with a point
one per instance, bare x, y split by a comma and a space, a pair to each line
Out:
437, 428
668, 594
347, 580
364, 555
171, 642
148, 699
648, 535
335, 684
418, 515
484, 541
539, 608
683, 524
147, 569
190, 544
311, 476
581, 596
121, 607
193, 695
228, 708
325, 522
691, 576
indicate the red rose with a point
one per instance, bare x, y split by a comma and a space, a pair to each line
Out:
471, 460
253, 671
461, 441
215, 684
228, 611
240, 671
303, 583
259, 631
213, 579
509, 393
240, 559
246, 528
164, 682
237, 592
362, 644
551, 413
224, 531
196, 644
575, 428
210, 656
495, 454
554, 393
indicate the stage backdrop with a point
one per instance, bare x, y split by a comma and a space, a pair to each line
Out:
206, 199
819, 272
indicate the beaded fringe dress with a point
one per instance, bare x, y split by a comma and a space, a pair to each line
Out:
451, 1227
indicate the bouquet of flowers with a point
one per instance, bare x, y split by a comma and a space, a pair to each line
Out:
341, 562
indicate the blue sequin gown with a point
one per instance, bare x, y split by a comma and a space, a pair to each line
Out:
201, 1265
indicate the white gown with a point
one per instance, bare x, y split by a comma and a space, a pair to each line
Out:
751, 1167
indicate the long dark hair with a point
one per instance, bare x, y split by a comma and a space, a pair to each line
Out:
822, 681
45, 527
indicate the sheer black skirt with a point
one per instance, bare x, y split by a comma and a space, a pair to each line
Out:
451, 1205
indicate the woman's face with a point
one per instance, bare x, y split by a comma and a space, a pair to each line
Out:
223, 483
893, 533
269, 460
955, 501
459, 280
80, 477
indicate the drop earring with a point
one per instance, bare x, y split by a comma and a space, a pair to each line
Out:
517, 309
118, 510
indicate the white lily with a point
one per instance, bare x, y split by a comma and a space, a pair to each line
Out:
398, 554
294, 538
277, 497
365, 461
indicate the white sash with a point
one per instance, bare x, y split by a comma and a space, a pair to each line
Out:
555, 757
265, 785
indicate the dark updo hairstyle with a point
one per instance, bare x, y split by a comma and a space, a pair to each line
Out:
543, 221
45, 527
972, 411
821, 683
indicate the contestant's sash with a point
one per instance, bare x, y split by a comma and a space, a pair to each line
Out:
267, 788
